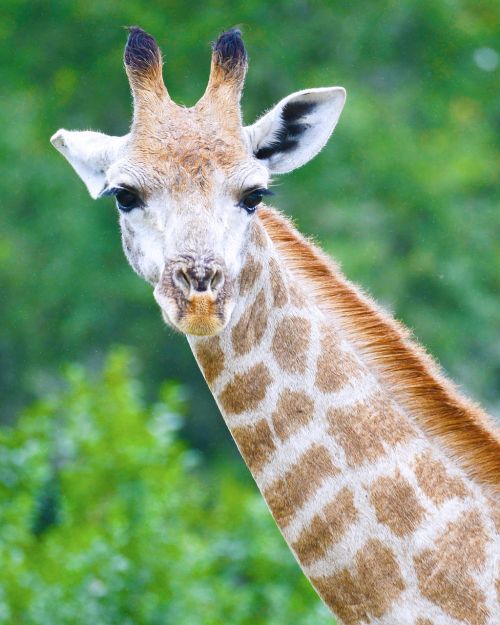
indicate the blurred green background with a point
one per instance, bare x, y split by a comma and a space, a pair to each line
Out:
117, 507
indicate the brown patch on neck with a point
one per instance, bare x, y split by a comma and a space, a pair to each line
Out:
369, 590
434, 480
249, 330
246, 390
444, 572
411, 374
294, 410
287, 494
211, 358
368, 430
290, 344
396, 504
249, 274
326, 528
255, 443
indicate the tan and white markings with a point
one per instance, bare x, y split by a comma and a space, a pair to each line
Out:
379, 520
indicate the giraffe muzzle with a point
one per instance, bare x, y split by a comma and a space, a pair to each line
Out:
193, 294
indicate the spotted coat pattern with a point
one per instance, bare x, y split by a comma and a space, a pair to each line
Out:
387, 527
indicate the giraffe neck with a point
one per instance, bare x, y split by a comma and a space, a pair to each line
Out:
349, 477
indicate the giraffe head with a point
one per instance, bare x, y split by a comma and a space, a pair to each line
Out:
187, 181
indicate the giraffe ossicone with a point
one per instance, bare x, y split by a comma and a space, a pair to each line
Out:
382, 478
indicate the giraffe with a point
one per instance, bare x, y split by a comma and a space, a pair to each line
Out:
381, 477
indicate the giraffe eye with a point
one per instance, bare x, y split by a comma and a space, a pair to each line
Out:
252, 199
126, 199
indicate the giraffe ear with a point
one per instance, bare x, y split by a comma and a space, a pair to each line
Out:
90, 154
296, 129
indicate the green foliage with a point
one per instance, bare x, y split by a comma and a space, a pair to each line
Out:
105, 517
403, 195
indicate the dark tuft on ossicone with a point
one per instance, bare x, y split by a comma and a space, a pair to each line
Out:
230, 49
141, 51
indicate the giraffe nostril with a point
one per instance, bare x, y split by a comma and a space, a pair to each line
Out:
182, 280
198, 278
217, 280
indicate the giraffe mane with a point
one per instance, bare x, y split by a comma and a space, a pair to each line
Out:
416, 380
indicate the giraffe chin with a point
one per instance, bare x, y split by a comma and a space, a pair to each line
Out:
198, 325
200, 317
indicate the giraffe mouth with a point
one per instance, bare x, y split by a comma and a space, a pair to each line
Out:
201, 326
200, 315
195, 297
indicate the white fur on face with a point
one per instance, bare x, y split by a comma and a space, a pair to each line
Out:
209, 225
200, 224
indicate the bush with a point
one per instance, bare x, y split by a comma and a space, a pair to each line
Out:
107, 518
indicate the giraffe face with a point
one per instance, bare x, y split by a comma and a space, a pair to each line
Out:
188, 233
188, 181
